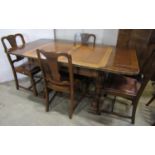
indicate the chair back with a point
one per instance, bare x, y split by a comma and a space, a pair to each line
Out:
147, 72
51, 69
148, 68
12, 40
85, 37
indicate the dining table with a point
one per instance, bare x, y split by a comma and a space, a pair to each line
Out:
89, 61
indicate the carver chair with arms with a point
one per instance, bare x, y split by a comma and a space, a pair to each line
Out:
128, 87
27, 68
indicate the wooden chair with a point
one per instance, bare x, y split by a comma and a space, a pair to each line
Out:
128, 87
27, 68
151, 100
85, 37
152, 80
153, 95
54, 78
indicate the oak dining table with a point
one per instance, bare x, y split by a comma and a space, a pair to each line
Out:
88, 61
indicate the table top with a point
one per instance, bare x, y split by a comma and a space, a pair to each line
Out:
103, 58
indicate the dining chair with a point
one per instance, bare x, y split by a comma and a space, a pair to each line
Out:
27, 68
128, 87
153, 95
151, 100
54, 79
85, 38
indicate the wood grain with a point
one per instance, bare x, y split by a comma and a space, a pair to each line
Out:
103, 58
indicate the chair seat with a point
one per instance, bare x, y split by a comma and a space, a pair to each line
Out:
122, 85
27, 68
64, 85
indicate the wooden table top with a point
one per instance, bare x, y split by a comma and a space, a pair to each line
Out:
103, 58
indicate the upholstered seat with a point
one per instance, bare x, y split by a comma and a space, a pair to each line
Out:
27, 68
122, 84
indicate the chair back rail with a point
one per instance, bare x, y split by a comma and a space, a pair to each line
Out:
50, 67
85, 37
12, 40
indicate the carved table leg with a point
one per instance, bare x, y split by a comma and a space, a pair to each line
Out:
96, 102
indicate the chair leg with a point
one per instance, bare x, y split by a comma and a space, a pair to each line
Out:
71, 107
47, 99
150, 101
87, 86
16, 80
133, 120
113, 104
33, 85
153, 124
133, 112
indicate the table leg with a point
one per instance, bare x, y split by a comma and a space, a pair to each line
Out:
94, 108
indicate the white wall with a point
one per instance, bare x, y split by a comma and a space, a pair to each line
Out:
103, 36
66, 34
29, 35
110, 36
